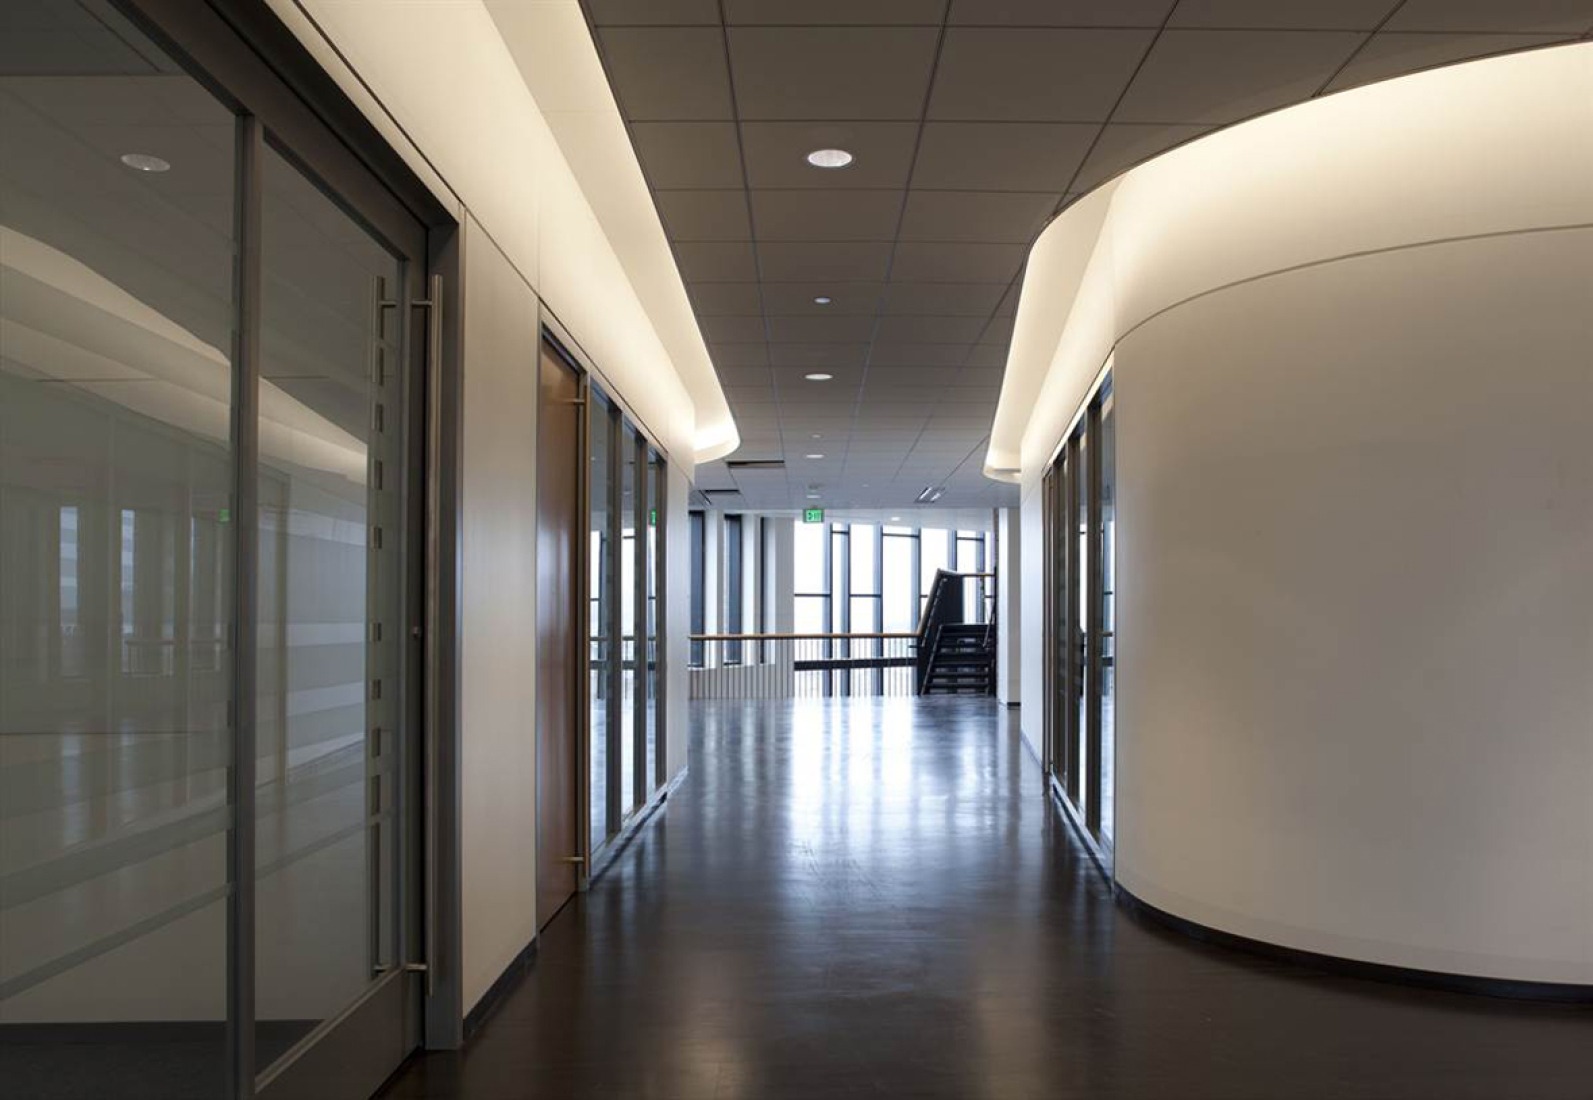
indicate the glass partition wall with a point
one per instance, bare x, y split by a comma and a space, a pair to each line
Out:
627, 495
1079, 500
209, 754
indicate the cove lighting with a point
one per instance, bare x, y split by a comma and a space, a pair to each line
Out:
830, 158
146, 162
819, 377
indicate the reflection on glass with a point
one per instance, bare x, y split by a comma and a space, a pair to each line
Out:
1081, 451
629, 502
599, 621
116, 596
658, 493
1107, 436
328, 602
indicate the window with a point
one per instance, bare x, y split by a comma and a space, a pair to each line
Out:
735, 595
699, 583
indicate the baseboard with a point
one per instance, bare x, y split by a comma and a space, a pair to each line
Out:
1101, 856
628, 832
512, 974
1556, 992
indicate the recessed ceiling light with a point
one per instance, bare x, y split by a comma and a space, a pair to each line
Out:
819, 377
822, 300
816, 435
813, 496
896, 519
830, 158
146, 162
815, 456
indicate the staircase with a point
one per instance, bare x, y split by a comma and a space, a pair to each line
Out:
963, 661
954, 657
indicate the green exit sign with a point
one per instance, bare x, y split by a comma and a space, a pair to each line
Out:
813, 515
652, 517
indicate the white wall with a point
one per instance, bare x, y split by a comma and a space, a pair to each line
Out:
1354, 391
498, 612
1356, 608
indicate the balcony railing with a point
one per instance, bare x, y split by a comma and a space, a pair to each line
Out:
787, 666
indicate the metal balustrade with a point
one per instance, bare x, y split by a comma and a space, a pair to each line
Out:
786, 666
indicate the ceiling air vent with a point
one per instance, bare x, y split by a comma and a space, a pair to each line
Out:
756, 464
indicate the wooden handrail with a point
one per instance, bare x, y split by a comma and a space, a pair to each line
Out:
776, 637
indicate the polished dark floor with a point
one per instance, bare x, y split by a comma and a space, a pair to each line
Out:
872, 898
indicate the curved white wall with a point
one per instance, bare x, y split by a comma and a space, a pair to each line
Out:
1352, 348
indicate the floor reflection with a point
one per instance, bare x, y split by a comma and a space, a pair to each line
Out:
871, 897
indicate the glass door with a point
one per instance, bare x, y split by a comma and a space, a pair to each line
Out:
1079, 499
333, 731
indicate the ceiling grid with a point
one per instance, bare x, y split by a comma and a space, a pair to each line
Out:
973, 122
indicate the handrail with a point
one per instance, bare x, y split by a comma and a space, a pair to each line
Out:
802, 637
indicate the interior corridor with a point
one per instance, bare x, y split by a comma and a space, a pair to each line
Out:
872, 897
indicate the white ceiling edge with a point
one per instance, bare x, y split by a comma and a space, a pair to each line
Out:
553, 49
1052, 277
1453, 151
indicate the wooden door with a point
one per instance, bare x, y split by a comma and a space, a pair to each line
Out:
559, 702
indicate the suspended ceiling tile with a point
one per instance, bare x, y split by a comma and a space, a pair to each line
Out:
1061, 13
957, 299
653, 12
834, 12
725, 299
932, 329
1347, 15
928, 262
1125, 144
716, 261
1029, 74
1397, 53
1001, 216
776, 153
749, 354
999, 330
667, 73
796, 299
898, 379
689, 154
731, 330
827, 357
987, 356
1525, 16
705, 215
825, 215
917, 355
832, 72
791, 261
836, 328
1222, 76
1001, 156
